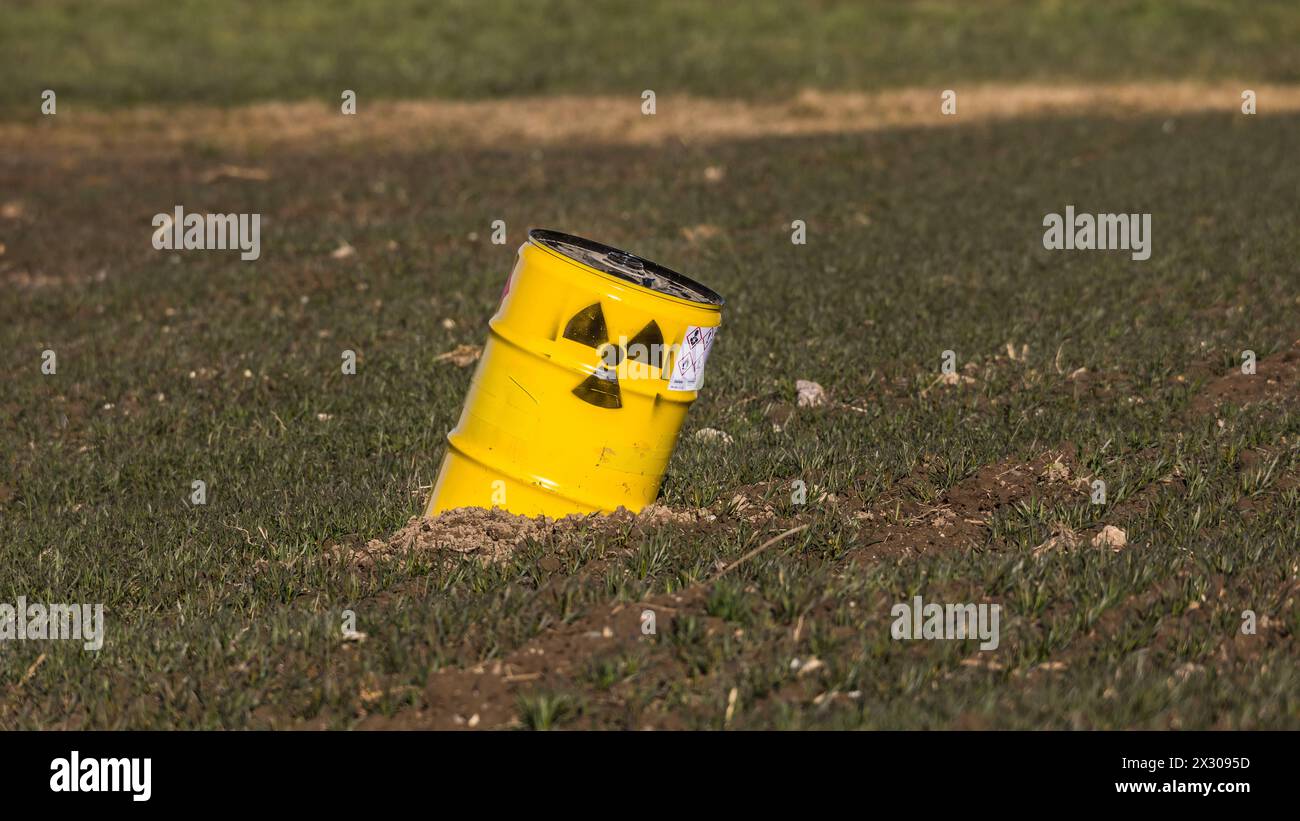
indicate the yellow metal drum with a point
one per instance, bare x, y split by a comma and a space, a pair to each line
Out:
593, 359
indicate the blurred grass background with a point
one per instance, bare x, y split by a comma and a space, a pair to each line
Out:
127, 52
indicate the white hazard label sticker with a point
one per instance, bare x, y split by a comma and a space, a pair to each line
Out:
688, 369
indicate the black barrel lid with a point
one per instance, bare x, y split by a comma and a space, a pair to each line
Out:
626, 266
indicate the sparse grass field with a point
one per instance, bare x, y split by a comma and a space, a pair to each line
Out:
181, 366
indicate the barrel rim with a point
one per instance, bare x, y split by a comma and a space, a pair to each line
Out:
542, 237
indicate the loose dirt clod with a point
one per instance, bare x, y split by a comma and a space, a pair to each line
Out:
712, 436
1057, 471
462, 356
811, 395
492, 535
662, 514
1112, 537
955, 378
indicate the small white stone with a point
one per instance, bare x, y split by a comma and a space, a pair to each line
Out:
1112, 537
811, 395
712, 435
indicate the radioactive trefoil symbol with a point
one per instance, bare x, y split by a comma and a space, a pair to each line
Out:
587, 327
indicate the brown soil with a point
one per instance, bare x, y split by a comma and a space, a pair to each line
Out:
607, 120
1276, 377
485, 696
960, 515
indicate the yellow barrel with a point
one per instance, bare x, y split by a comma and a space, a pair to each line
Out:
593, 359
